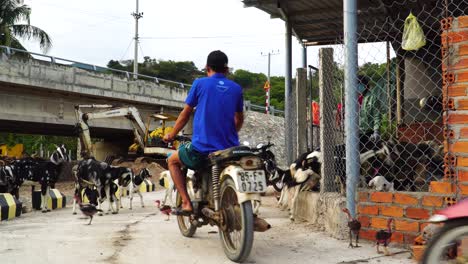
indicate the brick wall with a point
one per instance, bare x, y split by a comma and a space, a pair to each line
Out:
409, 211
455, 96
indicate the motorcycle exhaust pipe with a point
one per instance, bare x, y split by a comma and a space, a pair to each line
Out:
210, 213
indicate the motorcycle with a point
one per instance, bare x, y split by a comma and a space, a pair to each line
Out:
269, 163
222, 194
444, 246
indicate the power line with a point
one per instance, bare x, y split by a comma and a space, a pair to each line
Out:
207, 37
128, 47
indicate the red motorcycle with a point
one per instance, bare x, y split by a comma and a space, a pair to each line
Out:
450, 243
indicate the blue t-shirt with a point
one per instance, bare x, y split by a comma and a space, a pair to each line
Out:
217, 99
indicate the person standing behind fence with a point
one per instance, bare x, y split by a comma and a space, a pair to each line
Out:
370, 114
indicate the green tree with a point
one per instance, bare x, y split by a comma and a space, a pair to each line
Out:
12, 26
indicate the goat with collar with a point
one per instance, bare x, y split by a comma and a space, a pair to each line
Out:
132, 182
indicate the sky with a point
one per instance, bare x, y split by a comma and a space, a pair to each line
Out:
95, 32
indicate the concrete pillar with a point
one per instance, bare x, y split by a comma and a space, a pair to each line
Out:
289, 97
301, 111
327, 140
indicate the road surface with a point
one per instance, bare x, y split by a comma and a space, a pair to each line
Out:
143, 236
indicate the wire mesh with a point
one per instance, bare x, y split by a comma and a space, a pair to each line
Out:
412, 88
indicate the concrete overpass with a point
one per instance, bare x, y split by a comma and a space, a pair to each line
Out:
37, 97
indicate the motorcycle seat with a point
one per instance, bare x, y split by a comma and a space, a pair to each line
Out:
230, 153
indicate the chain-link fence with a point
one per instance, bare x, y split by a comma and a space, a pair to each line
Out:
412, 98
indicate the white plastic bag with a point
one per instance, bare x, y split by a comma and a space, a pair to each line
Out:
413, 35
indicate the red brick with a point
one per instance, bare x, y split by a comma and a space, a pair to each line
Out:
462, 176
463, 50
459, 65
442, 187
380, 223
397, 237
462, 162
401, 198
395, 211
455, 90
409, 226
381, 197
454, 119
368, 210
363, 196
462, 104
365, 221
463, 189
454, 37
459, 147
417, 213
367, 234
462, 21
464, 132
432, 201
409, 238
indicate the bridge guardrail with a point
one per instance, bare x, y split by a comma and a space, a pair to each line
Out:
9, 51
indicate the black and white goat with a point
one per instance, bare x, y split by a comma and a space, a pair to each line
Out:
92, 173
303, 173
6, 178
31, 171
132, 182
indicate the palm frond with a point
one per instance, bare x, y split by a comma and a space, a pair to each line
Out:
32, 32
11, 13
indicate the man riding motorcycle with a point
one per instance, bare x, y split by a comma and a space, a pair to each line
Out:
218, 118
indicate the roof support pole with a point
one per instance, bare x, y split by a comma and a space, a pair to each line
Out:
351, 103
304, 56
290, 117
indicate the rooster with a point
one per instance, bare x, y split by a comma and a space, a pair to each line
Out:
89, 210
383, 237
165, 209
354, 228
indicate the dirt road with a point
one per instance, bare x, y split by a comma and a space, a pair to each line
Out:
143, 236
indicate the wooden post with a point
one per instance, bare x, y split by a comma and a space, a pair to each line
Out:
301, 111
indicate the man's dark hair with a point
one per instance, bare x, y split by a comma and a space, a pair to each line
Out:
217, 61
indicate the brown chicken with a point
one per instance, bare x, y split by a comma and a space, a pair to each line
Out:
383, 237
89, 210
165, 209
354, 228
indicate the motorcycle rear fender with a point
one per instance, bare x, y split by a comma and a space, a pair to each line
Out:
232, 171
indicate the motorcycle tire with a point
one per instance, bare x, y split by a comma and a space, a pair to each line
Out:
243, 218
187, 229
447, 234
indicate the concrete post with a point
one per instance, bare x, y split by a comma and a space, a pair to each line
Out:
327, 140
289, 97
301, 111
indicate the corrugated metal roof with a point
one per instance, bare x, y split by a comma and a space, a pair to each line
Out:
321, 21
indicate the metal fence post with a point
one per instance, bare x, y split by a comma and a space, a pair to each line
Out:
351, 104
301, 111
327, 140
289, 116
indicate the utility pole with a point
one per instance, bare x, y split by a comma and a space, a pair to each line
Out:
137, 16
268, 84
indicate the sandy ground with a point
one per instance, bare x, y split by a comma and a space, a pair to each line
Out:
142, 235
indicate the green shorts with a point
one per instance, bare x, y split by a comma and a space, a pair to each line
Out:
191, 158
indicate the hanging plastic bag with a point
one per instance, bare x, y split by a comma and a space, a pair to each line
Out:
413, 35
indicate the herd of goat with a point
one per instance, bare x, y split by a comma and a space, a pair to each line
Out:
385, 166
94, 180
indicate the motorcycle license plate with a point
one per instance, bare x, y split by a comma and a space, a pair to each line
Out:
252, 181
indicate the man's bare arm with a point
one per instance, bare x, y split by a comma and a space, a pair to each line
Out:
239, 120
180, 123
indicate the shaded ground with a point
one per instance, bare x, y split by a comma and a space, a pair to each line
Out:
142, 236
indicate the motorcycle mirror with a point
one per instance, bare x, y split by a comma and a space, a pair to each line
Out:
259, 146
246, 143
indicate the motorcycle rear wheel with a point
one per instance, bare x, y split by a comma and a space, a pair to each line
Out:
237, 238
447, 236
187, 229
